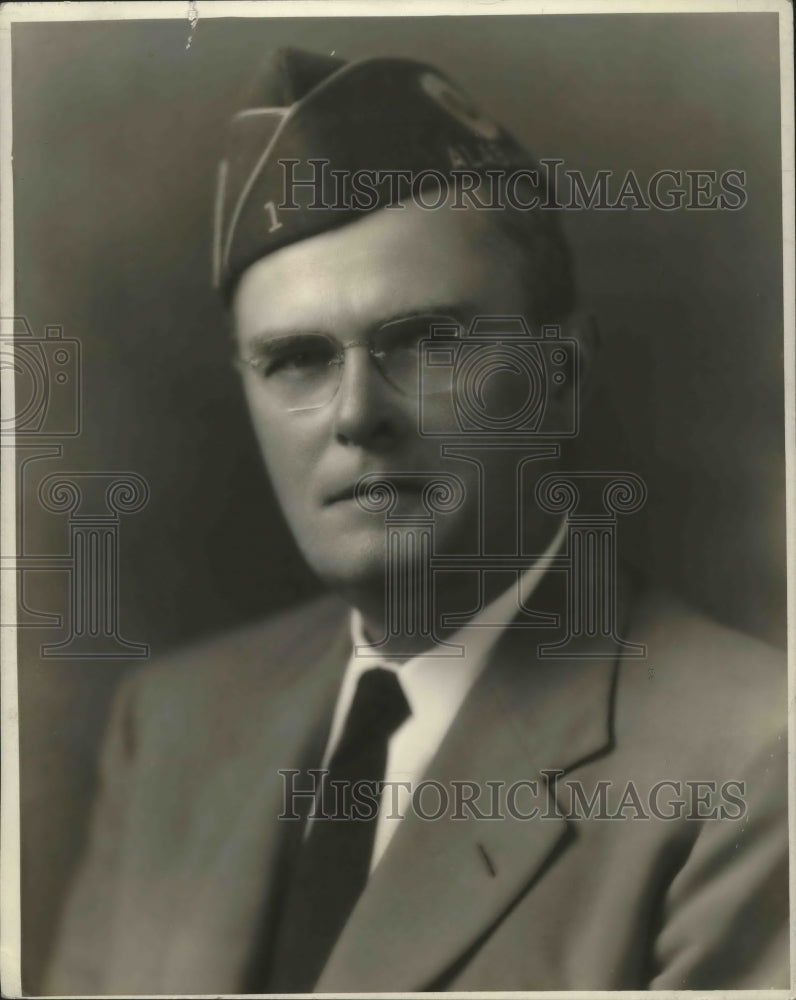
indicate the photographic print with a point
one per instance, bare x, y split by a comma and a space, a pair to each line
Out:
397, 447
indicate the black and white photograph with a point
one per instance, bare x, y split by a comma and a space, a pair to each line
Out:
397, 443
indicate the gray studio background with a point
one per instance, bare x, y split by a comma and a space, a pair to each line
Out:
117, 130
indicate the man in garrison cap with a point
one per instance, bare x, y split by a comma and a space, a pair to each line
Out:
477, 764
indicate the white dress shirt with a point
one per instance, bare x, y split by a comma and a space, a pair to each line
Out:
435, 687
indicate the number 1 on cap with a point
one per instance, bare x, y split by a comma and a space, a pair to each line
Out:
275, 224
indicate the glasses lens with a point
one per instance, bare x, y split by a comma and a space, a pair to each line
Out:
405, 350
300, 372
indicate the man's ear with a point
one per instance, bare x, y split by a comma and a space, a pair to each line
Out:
582, 328
231, 324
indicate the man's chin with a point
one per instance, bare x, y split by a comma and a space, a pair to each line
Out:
349, 561
351, 551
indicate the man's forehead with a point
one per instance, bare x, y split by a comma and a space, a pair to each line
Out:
390, 261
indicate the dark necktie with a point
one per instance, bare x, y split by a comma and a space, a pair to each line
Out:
333, 864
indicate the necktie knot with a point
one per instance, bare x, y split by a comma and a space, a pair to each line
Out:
378, 709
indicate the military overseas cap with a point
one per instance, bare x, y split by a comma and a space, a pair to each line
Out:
323, 141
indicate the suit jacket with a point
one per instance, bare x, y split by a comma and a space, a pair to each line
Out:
179, 887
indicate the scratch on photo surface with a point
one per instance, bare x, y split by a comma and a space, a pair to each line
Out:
193, 20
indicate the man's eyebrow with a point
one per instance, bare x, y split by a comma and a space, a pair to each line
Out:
443, 310
265, 341
457, 311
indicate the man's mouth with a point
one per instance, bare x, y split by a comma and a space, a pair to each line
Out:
339, 496
406, 484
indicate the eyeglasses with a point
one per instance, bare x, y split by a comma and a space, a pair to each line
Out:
304, 371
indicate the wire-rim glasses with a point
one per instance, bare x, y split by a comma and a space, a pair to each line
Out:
303, 371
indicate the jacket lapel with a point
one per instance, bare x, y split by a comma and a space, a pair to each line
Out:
442, 885
233, 862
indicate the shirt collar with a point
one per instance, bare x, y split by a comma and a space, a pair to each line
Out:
436, 682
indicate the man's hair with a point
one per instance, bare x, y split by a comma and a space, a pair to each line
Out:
537, 235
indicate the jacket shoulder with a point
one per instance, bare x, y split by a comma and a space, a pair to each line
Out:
221, 681
702, 687
274, 639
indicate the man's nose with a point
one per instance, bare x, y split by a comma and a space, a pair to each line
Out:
367, 410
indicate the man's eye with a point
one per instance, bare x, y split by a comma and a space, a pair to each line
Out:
307, 357
407, 334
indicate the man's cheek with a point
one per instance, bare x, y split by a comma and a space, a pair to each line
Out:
287, 481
